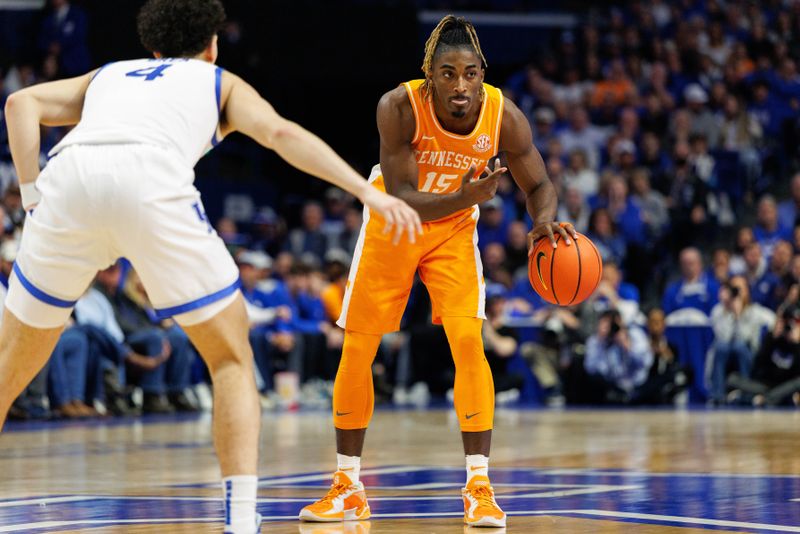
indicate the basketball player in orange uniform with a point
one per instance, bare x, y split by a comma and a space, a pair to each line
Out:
437, 135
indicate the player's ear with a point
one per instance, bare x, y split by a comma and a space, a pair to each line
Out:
157, 55
211, 52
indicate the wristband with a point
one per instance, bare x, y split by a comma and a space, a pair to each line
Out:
30, 195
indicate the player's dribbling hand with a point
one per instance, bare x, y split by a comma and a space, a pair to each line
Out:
484, 188
549, 230
398, 215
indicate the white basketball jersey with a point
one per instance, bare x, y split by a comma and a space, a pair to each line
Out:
172, 103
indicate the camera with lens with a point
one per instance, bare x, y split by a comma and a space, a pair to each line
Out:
615, 322
733, 290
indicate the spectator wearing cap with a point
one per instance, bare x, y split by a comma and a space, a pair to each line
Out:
767, 231
492, 227
582, 134
578, 175
696, 289
269, 311
309, 238
703, 120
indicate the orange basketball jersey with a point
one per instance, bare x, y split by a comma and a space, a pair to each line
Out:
442, 156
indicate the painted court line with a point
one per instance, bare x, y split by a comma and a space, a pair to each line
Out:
651, 518
684, 520
589, 472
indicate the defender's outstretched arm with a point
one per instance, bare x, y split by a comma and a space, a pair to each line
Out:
245, 111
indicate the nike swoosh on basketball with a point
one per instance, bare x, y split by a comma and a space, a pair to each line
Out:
539, 267
470, 416
339, 414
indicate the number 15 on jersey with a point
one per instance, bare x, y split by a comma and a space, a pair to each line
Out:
438, 183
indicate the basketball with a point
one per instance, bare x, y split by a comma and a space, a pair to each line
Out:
565, 275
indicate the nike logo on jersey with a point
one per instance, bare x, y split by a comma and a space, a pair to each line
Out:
470, 416
539, 267
340, 414
428, 137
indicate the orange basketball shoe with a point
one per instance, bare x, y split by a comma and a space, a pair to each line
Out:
480, 508
345, 501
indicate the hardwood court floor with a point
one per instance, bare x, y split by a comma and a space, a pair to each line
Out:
588, 471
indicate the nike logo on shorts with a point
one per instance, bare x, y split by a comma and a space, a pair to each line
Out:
340, 414
470, 416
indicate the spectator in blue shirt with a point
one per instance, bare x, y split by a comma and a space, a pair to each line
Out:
269, 310
603, 233
767, 231
696, 289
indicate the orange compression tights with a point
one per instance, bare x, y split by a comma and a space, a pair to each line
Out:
353, 394
474, 387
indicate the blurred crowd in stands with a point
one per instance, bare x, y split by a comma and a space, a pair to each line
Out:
671, 130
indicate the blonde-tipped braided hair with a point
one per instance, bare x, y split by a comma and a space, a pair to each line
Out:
451, 31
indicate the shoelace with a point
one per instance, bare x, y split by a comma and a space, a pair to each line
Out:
484, 495
335, 491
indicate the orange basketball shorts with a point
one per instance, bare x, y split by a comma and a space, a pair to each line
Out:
381, 276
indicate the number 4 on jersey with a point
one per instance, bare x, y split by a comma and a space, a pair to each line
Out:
150, 73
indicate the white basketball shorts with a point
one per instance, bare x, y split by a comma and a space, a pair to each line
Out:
103, 202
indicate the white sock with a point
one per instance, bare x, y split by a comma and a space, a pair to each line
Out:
477, 464
349, 465
240, 503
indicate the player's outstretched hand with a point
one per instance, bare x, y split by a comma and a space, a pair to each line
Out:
398, 215
483, 189
549, 230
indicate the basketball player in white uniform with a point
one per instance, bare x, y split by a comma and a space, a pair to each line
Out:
121, 184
